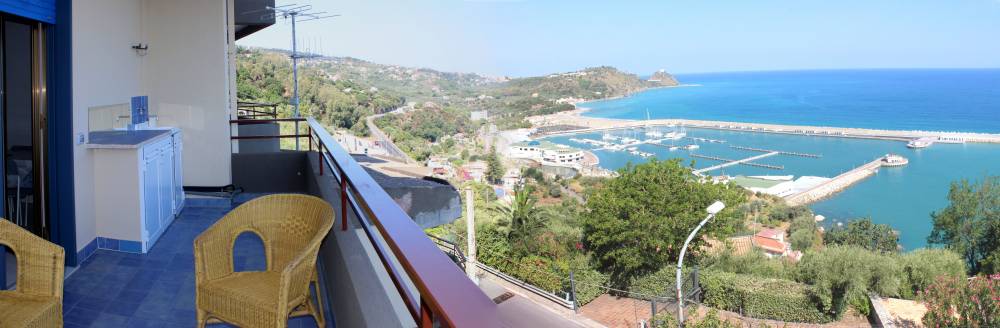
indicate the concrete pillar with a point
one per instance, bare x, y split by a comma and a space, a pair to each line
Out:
470, 226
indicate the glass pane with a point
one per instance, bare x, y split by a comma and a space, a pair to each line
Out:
19, 199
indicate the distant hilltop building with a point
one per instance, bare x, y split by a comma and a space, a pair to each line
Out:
478, 115
662, 78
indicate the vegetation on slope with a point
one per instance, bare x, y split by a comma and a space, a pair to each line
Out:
970, 225
266, 76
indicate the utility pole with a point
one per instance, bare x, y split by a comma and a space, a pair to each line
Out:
294, 13
295, 76
470, 227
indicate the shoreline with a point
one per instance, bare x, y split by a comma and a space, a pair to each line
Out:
594, 124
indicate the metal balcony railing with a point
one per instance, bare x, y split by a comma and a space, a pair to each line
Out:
444, 296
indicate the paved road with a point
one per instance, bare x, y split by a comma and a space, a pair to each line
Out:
522, 312
384, 139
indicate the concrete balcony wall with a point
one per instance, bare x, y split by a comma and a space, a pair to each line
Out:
258, 145
360, 290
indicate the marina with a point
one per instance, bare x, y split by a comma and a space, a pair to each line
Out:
896, 195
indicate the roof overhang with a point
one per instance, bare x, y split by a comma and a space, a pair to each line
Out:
252, 16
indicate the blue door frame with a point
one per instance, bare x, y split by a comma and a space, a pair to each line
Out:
62, 204
57, 15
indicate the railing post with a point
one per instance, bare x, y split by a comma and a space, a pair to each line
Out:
343, 202
310, 138
426, 316
652, 316
572, 289
320, 157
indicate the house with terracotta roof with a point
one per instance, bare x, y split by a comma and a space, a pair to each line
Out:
772, 242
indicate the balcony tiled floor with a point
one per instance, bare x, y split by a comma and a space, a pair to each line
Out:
114, 289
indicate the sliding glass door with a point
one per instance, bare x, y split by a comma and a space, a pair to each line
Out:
22, 131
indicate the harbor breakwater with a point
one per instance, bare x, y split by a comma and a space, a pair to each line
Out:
835, 185
573, 122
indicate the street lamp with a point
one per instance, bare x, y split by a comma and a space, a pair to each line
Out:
712, 210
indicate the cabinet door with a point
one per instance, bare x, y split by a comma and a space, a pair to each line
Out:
150, 195
178, 174
165, 186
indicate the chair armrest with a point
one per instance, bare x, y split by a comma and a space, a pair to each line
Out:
213, 254
296, 276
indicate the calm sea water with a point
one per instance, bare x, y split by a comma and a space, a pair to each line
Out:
952, 100
938, 100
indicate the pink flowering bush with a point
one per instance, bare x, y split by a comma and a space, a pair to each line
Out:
958, 302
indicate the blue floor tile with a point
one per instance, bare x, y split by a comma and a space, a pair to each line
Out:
153, 290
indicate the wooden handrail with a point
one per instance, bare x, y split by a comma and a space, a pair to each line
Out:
446, 295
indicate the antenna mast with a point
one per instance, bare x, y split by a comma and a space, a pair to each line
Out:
296, 14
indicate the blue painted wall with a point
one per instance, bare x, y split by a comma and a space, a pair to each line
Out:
40, 10
62, 208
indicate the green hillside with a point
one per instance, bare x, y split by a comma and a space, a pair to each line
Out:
341, 91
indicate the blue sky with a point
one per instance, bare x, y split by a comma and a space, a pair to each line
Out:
535, 37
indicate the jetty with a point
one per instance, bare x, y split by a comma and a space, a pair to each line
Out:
777, 151
705, 140
729, 162
836, 184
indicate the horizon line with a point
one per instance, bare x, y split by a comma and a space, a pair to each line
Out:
873, 68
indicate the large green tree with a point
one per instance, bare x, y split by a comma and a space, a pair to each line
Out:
636, 223
970, 225
494, 168
866, 234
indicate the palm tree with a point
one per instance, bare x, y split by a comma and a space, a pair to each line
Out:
521, 218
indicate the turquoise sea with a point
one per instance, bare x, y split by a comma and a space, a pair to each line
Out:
938, 100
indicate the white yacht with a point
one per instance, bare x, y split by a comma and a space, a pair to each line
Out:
920, 143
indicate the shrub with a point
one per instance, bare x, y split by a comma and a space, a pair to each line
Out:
492, 247
843, 275
710, 320
956, 302
538, 271
802, 239
589, 284
923, 266
864, 233
762, 298
753, 263
661, 283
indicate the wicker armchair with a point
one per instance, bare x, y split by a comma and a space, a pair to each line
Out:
37, 300
292, 228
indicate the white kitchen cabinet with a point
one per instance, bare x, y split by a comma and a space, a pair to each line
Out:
137, 187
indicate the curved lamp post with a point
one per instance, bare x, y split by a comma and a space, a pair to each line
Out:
713, 209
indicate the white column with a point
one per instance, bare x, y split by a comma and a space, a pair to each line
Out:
470, 226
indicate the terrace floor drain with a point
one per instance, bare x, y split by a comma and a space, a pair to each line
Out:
503, 297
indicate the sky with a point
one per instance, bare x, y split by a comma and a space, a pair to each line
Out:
538, 37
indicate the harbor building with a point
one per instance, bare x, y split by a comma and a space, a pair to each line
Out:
546, 153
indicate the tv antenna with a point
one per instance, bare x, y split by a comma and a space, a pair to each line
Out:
298, 14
